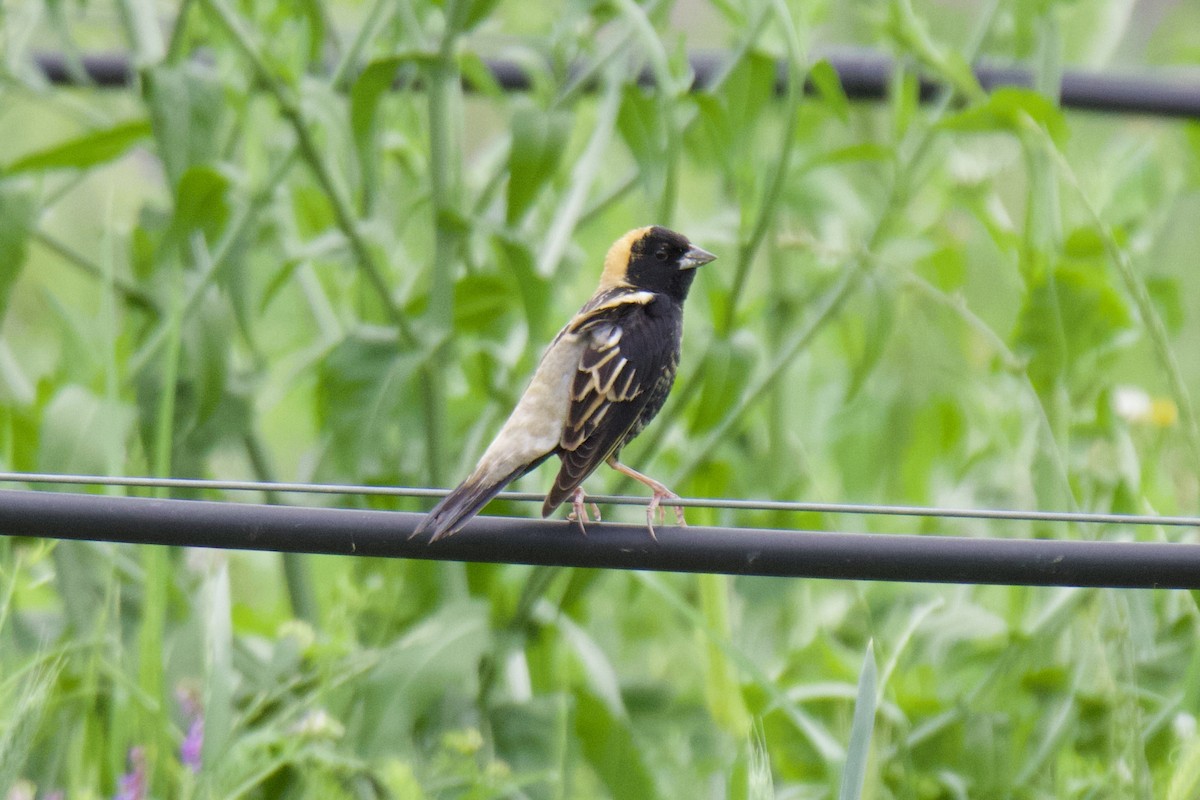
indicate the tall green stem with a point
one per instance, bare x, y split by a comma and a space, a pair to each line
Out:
432, 394
310, 152
1156, 329
444, 169
770, 202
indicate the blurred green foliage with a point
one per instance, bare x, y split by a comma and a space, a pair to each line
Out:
296, 249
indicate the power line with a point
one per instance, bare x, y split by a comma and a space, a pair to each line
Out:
735, 551
864, 74
856, 509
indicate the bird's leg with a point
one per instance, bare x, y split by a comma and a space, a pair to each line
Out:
579, 510
660, 493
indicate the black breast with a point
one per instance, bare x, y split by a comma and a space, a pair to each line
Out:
651, 342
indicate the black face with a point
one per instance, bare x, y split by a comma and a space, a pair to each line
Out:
656, 263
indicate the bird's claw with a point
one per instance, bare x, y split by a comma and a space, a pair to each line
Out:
579, 510
662, 493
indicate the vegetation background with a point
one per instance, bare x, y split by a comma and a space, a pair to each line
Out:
258, 262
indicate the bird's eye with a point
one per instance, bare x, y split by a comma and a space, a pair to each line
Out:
662, 255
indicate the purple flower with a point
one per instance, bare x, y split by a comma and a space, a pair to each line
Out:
132, 785
193, 742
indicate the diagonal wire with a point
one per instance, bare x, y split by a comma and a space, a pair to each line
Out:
688, 502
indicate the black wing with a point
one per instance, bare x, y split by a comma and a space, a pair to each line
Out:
624, 372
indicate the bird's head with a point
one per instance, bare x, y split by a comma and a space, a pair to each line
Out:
653, 259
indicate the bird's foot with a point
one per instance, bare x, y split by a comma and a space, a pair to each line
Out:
662, 493
579, 510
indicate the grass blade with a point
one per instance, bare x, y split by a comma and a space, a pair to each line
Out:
858, 754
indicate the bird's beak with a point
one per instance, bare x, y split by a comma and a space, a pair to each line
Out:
694, 257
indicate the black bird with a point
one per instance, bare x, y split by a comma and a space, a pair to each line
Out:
604, 376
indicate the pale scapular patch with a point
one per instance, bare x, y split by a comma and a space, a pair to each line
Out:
533, 428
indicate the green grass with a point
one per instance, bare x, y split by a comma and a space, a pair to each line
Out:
267, 265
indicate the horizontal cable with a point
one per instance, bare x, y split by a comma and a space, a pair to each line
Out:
626, 500
734, 551
864, 74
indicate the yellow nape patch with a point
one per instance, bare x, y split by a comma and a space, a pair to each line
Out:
617, 260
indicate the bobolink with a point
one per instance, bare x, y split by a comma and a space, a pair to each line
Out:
604, 376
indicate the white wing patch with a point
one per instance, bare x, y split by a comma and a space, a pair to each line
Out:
604, 372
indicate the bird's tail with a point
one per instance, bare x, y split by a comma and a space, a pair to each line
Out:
457, 508
556, 497
468, 499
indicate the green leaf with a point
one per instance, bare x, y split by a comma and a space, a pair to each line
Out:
761, 784
25, 703
727, 362
1084, 242
1010, 109
708, 140
730, 115
609, 746
218, 669
429, 674
534, 287
369, 88
1168, 299
371, 84
642, 126
912, 32
146, 242
16, 389
316, 35
945, 268
1185, 782
877, 330
747, 91
829, 87
18, 214
598, 670
149, 719
931, 430
722, 691
481, 302
478, 75
904, 90
187, 109
853, 153
201, 205
360, 398
477, 11
82, 433
527, 735
311, 211
1072, 319
95, 147
858, 753
538, 141
207, 344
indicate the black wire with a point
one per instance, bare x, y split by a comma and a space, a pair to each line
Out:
859, 509
734, 551
865, 75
